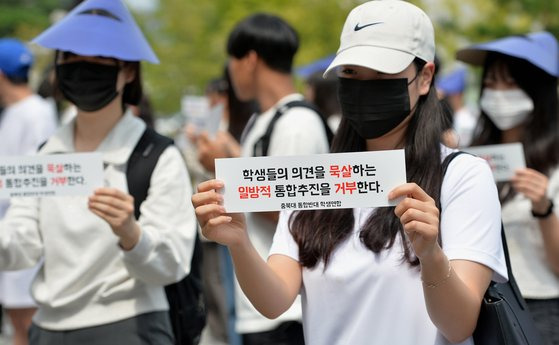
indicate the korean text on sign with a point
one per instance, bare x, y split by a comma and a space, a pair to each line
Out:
51, 175
342, 180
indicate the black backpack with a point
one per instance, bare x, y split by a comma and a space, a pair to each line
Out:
187, 307
261, 146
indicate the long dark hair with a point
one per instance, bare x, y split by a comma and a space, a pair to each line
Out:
319, 232
540, 137
239, 111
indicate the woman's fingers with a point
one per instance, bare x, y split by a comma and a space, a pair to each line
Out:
411, 190
417, 227
532, 184
105, 209
206, 212
209, 185
410, 203
109, 217
415, 215
112, 193
109, 201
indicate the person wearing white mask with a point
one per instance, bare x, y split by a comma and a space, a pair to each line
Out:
519, 103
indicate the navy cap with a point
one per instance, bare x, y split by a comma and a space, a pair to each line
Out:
99, 28
453, 82
15, 58
538, 48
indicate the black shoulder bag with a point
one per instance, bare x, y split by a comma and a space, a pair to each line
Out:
261, 146
187, 308
504, 318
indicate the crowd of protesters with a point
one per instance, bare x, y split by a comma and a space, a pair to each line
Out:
94, 269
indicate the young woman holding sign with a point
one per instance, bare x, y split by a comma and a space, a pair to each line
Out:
103, 272
519, 103
381, 276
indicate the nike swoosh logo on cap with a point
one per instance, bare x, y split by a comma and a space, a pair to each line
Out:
357, 27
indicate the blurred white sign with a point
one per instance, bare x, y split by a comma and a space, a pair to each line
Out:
503, 159
201, 116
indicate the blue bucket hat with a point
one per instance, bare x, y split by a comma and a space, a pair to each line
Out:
15, 58
99, 28
453, 82
538, 48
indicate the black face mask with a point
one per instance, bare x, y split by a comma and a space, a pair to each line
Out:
374, 107
90, 86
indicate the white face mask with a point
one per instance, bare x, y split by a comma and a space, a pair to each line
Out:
506, 108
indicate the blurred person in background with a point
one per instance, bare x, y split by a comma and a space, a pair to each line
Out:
26, 122
261, 48
451, 88
218, 274
519, 103
216, 330
236, 116
322, 91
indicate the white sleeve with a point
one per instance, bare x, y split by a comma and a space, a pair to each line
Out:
21, 245
299, 131
471, 215
284, 244
167, 223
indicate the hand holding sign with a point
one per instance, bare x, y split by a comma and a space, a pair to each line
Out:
117, 209
223, 146
533, 185
226, 229
420, 217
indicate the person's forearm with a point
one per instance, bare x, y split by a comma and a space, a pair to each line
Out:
550, 234
452, 306
263, 287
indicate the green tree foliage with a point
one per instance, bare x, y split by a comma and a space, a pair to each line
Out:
189, 36
26, 18
460, 23
190, 39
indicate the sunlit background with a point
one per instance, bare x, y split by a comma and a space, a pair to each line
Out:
189, 36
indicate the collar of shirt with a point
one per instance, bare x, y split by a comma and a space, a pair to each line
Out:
116, 147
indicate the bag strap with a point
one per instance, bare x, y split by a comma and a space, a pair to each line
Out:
141, 164
518, 295
261, 146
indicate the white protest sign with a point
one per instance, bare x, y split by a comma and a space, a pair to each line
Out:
201, 116
341, 180
215, 114
50, 175
503, 159
195, 109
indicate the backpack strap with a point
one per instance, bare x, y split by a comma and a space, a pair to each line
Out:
522, 303
141, 164
261, 146
187, 309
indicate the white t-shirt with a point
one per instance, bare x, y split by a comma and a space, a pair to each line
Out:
524, 240
364, 298
292, 135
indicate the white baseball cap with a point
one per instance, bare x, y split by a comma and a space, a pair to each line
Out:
385, 35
